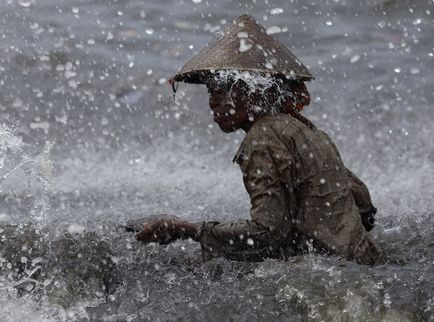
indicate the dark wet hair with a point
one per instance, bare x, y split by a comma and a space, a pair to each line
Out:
290, 92
290, 97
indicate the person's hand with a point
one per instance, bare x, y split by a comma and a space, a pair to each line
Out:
368, 218
165, 229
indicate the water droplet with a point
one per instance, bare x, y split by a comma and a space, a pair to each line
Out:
242, 34
268, 65
68, 65
276, 11
73, 84
273, 30
244, 46
25, 3
381, 24
69, 74
354, 59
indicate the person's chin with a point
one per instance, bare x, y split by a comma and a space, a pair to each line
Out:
227, 128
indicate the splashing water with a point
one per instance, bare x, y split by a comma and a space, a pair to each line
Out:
32, 173
256, 83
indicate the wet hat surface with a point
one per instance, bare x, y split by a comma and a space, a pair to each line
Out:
243, 46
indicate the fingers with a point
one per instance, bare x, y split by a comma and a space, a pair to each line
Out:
155, 232
146, 235
152, 237
136, 225
162, 230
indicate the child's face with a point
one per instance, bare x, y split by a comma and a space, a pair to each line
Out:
230, 105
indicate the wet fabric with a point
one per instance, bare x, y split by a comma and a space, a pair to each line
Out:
303, 199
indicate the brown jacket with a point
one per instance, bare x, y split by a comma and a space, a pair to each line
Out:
302, 198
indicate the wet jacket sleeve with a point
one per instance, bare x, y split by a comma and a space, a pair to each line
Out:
363, 201
360, 194
262, 162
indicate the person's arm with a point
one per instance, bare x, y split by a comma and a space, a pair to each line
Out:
266, 168
361, 195
363, 201
163, 229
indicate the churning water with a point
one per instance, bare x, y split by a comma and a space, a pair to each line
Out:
90, 137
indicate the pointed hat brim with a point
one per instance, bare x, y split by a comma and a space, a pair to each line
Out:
243, 46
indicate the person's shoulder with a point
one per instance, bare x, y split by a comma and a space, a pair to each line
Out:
276, 125
261, 130
269, 131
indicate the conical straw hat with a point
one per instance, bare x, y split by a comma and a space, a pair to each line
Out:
243, 46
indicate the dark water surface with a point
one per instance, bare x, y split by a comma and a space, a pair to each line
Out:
90, 137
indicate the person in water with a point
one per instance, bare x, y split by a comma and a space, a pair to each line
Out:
303, 198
